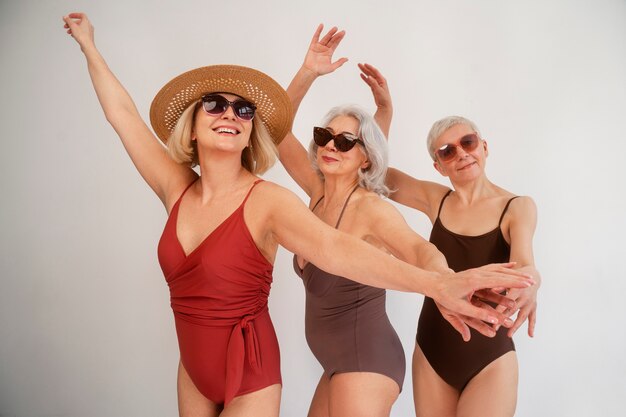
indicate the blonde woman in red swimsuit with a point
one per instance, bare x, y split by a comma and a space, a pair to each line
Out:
224, 228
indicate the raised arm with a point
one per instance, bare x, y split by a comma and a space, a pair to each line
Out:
163, 175
297, 229
317, 61
380, 91
424, 196
523, 213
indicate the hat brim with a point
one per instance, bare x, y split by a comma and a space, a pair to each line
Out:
273, 105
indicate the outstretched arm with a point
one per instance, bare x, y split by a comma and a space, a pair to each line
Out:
398, 238
380, 91
317, 61
523, 214
297, 229
163, 175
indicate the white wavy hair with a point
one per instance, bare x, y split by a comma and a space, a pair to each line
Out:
376, 150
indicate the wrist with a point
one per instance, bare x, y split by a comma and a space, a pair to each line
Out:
307, 72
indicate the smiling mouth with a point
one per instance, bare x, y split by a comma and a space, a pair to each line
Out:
466, 166
328, 159
226, 131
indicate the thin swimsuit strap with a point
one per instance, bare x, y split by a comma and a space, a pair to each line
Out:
505, 209
250, 191
442, 200
345, 204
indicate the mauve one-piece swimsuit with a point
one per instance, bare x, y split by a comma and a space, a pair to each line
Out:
346, 324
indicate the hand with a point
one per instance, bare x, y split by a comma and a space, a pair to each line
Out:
79, 26
526, 299
378, 84
463, 323
456, 291
318, 59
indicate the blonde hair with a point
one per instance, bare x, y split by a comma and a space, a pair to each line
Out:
257, 158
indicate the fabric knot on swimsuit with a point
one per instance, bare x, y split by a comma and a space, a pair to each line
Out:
243, 342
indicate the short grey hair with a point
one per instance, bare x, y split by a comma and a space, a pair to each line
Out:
440, 126
373, 177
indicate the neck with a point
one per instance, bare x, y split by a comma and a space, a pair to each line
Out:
337, 188
474, 190
220, 174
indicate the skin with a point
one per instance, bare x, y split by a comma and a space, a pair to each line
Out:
366, 217
272, 214
473, 209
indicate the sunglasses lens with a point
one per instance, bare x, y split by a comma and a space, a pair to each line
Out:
343, 144
244, 109
321, 136
446, 152
469, 142
214, 104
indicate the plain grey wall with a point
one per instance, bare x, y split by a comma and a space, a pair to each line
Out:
85, 323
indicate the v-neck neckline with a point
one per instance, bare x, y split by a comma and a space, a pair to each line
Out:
176, 210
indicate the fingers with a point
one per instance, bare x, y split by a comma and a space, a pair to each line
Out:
459, 326
339, 63
328, 36
316, 35
503, 302
336, 40
502, 278
482, 312
532, 319
524, 313
480, 326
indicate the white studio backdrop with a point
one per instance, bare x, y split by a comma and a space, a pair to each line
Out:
85, 323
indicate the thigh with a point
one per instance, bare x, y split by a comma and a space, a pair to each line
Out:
433, 397
493, 391
319, 403
191, 403
262, 403
361, 394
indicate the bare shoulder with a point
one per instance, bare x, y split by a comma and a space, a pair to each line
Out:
375, 209
523, 206
270, 196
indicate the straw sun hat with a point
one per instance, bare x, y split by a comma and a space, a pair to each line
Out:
273, 105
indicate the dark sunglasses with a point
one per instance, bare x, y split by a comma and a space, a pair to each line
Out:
448, 152
343, 141
216, 105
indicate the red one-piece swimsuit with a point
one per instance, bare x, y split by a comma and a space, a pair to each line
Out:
219, 297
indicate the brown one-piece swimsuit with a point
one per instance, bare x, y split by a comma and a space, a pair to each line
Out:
346, 324
454, 360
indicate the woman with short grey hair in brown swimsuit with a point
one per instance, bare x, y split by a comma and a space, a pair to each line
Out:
347, 327
474, 223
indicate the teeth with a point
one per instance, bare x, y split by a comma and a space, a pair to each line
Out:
226, 130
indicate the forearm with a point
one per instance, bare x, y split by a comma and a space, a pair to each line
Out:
114, 99
383, 118
429, 258
371, 266
299, 86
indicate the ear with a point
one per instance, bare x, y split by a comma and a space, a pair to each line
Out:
486, 148
365, 165
440, 169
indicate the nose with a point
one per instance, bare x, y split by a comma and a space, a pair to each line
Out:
229, 113
331, 146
